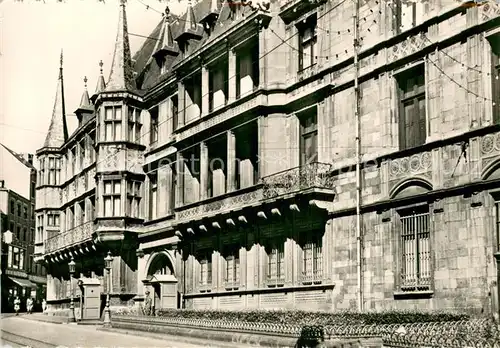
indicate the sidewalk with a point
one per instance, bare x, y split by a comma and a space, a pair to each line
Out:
71, 335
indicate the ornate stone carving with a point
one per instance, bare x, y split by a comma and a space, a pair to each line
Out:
409, 46
313, 175
222, 205
416, 164
74, 236
490, 144
489, 10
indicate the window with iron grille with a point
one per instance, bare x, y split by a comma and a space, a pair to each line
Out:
307, 43
205, 271
276, 263
232, 271
412, 117
311, 258
113, 123
134, 196
415, 250
112, 198
134, 125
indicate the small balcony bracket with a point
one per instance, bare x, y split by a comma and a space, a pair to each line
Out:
216, 225
276, 211
203, 228
178, 234
242, 219
295, 208
230, 222
190, 230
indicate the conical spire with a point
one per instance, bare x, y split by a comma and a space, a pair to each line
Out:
101, 84
166, 43
191, 27
121, 75
190, 22
85, 101
58, 129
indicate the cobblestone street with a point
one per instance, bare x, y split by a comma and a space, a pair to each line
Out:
42, 335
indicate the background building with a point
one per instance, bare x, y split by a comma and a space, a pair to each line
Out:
21, 276
219, 178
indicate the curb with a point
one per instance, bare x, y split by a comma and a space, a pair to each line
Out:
180, 339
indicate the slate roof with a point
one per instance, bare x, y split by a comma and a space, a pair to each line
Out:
19, 157
148, 70
58, 129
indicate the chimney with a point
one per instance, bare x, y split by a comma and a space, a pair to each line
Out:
2, 183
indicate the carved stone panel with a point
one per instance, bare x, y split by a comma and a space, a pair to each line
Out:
404, 168
409, 46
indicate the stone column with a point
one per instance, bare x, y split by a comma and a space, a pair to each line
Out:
162, 191
141, 273
124, 122
123, 196
179, 187
205, 90
204, 163
497, 257
182, 104
232, 61
100, 190
231, 161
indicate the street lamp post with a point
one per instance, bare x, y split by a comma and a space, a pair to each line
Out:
71, 266
107, 313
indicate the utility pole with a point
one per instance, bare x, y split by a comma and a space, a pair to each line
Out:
359, 231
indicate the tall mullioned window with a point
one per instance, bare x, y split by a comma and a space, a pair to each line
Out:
134, 197
54, 171
134, 125
112, 198
412, 117
205, 271
232, 269
307, 43
154, 113
113, 123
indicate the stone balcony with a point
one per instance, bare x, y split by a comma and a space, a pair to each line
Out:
294, 190
77, 239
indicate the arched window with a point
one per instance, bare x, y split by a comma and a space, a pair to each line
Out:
160, 265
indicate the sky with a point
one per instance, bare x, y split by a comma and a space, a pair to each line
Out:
32, 34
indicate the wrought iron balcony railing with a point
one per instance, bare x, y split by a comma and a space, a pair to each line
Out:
76, 235
313, 175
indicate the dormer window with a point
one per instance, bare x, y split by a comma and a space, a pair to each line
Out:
163, 66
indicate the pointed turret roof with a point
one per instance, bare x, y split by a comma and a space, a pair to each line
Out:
212, 13
166, 43
191, 29
121, 75
85, 100
101, 84
58, 129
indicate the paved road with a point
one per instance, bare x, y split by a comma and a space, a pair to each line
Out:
47, 335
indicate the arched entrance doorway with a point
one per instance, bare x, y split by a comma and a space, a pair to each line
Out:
162, 282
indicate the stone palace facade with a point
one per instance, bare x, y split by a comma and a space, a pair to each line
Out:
217, 165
